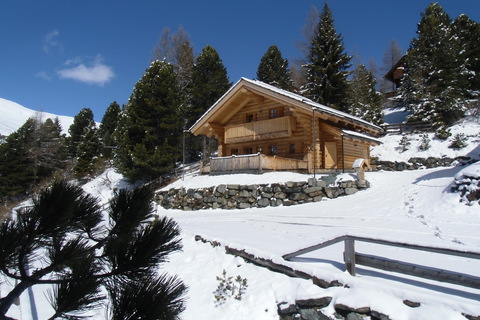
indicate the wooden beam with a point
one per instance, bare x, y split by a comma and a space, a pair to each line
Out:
418, 271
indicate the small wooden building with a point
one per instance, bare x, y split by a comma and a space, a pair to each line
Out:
259, 126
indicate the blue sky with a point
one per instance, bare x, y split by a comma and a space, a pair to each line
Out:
60, 56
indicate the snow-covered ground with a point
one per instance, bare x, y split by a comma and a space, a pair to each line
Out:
13, 116
415, 207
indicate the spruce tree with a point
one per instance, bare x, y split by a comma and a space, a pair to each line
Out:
273, 69
107, 129
88, 154
88, 256
209, 83
327, 65
82, 122
149, 135
433, 85
466, 33
363, 99
17, 167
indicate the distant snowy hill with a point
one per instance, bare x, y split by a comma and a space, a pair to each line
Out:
13, 116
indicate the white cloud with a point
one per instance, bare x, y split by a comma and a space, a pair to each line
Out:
43, 75
50, 41
96, 73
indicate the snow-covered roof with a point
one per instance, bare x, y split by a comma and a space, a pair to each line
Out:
293, 97
360, 136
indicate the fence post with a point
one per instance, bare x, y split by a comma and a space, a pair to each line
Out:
349, 255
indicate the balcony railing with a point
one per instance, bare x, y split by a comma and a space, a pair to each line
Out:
259, 130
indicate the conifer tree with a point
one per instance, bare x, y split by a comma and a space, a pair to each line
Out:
83, 256
88, 154
17, 167
82, 122
107, 129
209, 83
363, 99
149, 135
433, 85
327, 65
467, 32
273, 69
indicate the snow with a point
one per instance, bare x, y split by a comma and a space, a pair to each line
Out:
414, 207
15, 115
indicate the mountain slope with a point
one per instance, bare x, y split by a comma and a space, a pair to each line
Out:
13, 116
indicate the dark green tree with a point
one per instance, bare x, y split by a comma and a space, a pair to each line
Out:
150, 130
434, 85
84, 256
82, 122
17, 167
327, 65
48, 148
88, 154
107, 129
209, 83
273, 69
364, 100
467, 32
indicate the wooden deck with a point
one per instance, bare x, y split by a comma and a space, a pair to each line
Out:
255, 163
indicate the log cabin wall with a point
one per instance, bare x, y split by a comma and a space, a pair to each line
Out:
272, 137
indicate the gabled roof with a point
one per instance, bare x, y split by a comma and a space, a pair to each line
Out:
245, 86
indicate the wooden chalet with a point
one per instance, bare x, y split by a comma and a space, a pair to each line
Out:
260, 127
394, 75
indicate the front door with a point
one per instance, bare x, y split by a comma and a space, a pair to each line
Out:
330, 155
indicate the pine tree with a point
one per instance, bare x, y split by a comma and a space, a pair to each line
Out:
149, 135
88, 154
273, 69
467, 32
17, 168
432, 86
84, 256
364, 100
209, 83
107, 129
82, 122
327, 65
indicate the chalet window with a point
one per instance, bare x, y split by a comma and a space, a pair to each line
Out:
234, 152
273, 113
250, 117
248, 150
292, 148
273, 150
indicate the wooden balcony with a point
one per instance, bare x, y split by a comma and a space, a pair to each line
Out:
260, 130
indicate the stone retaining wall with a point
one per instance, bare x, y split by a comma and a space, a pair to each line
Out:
419, 163
236, 196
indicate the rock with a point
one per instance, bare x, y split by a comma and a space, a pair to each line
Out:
314, 303
221, 188
353, 316
411, 304
349, 191
262, 203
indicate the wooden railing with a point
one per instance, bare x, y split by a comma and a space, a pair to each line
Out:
408, 127
271, 128
352, 258
255, 162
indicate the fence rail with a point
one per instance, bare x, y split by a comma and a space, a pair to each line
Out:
408, 127
352, 258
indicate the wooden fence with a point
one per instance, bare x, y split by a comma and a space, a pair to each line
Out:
255, 163
352, 258
408, 127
